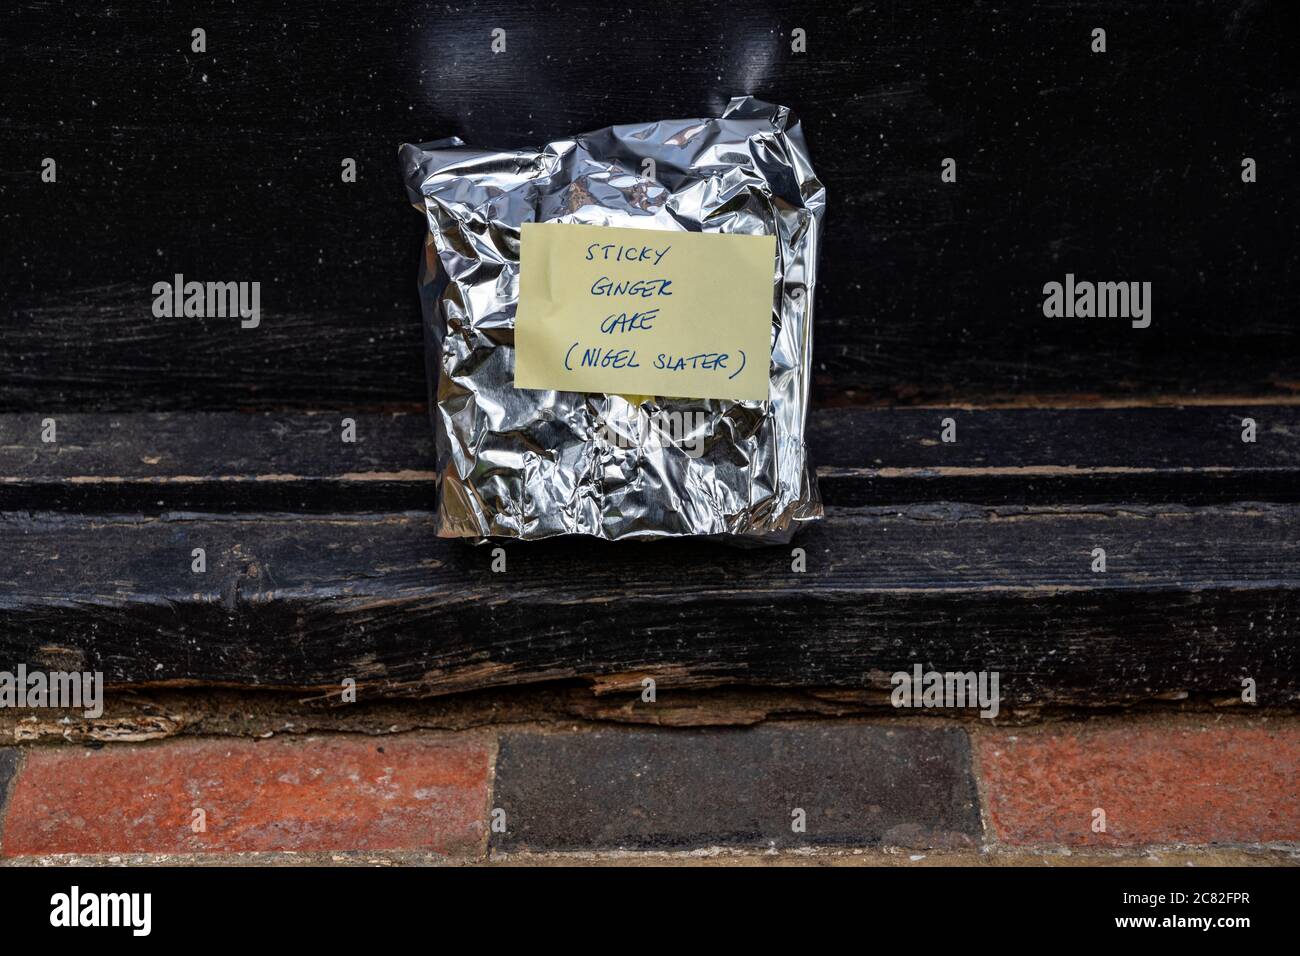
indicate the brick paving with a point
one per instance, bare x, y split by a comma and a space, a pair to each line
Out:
1189, 784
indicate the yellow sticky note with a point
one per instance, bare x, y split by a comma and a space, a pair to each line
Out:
644, 311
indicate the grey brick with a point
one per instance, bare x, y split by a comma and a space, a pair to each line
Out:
860, 785
8, 768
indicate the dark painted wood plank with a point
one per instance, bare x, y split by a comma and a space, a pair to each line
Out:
217, 461
1194, 600
294, 461
225, 166
1190, 454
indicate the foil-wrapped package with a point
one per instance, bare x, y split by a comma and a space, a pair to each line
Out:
531, 464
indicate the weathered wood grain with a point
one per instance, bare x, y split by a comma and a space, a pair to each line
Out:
1194, 600
322, 563
226, 166
297, 461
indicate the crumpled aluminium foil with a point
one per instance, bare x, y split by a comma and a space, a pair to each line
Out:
531, 464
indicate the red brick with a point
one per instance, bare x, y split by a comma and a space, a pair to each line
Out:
1227, 783
327, 793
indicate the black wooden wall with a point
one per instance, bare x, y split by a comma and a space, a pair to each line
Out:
225, 165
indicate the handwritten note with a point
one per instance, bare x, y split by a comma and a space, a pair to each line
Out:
644, 312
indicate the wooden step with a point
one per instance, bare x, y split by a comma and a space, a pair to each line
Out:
1193, 600
1189, 454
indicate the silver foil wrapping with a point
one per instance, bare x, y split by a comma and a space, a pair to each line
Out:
531, 464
